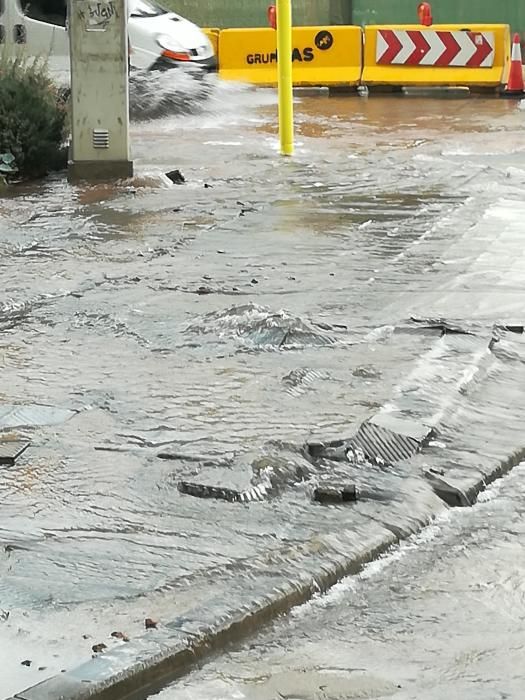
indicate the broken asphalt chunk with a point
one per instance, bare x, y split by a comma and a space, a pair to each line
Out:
335, 493
388, 445
383, 439
19, 415
441, 324
517, 328
120, 635
334, 450
176, 177
451, 495
257, 492
10, 451
205, 491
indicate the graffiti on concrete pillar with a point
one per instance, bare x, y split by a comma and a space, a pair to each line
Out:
98, 16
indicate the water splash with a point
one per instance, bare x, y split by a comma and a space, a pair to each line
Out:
157, 94
262, 328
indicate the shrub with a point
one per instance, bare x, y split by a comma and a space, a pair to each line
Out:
32, 118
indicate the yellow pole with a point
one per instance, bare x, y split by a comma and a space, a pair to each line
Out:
284, 60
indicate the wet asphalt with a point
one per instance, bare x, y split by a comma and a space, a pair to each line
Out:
440, 616
261, 300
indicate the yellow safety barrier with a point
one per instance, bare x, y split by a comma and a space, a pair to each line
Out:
474, 55
321, 55
213, 36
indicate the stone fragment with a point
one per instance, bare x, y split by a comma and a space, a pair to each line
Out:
120, 635
11, 450
176, 177
335, 493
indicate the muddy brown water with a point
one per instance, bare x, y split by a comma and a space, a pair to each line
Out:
157, 314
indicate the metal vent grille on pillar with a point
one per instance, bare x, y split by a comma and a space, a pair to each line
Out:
100, 138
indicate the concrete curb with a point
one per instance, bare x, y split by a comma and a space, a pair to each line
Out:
131, 671
477, 457
146, 665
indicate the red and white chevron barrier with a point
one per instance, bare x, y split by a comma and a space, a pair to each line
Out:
435, 48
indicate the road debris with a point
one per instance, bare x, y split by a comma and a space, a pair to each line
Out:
11, 450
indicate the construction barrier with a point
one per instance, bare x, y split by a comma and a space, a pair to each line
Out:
321, 55
440, 55
213, 36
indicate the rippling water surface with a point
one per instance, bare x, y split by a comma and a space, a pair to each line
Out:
263, 300
441, 616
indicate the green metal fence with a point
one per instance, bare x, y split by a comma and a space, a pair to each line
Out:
444, 12
252, 13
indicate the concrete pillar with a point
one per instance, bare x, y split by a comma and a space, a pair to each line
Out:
99, 90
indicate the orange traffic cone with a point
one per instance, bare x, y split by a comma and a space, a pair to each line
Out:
515, 86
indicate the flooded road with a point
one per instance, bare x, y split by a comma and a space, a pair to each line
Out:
261, 300
441, 616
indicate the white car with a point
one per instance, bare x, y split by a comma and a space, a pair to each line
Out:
162, 39
158, 38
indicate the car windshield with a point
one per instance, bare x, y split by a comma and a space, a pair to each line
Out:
145, 8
